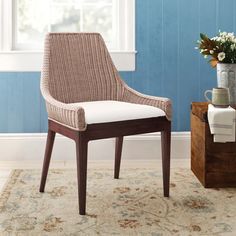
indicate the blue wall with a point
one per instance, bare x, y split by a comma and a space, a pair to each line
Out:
167, 64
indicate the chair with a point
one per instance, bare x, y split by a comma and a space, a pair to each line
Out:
87, 100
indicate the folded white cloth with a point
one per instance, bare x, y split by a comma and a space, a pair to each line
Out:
222, 123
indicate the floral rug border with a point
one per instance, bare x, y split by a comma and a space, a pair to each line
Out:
6, 190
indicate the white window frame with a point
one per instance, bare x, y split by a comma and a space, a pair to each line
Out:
22, 60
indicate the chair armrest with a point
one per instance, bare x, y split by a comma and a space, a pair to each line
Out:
69, 115
131, 95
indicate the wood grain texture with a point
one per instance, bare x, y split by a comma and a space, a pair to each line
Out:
198, 148
214, 164
199, 109
47, 158
118, 152
81, 157
165, 148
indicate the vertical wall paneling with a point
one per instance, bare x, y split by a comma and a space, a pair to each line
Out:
166, 62
234, 16
226, 15
140, 75
31, 101
15, 106
170, 53
189, 59
208, 25
154, 50
4, 80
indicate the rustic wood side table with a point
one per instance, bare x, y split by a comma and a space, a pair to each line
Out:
214, 164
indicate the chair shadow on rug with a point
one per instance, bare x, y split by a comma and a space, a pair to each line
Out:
87, 100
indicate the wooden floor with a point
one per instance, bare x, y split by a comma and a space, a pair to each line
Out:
7, 166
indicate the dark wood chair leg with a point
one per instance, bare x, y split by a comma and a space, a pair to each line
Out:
47, 158
118, 152
81, 156
166, 146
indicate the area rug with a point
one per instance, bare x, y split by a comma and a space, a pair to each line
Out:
132, 205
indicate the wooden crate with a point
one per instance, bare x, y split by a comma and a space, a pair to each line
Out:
214, 164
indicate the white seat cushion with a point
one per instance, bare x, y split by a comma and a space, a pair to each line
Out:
111, 111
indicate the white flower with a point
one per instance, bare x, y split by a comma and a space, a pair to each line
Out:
211, 52
205, 56
221, 56
223, 33
232, 47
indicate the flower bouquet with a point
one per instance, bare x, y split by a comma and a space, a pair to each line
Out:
221, 48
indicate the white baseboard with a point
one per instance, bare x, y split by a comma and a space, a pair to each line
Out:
22, 147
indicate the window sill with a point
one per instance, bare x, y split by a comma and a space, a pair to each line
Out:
28, 61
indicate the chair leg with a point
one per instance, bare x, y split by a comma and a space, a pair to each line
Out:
47, 158
118, 151
166, 146
81, 156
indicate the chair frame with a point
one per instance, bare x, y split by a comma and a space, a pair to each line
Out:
107, 130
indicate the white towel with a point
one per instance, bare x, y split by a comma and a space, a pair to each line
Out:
222, 123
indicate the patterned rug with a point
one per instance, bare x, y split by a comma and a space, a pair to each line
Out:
132, 205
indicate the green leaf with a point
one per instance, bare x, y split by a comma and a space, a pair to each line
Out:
203, 36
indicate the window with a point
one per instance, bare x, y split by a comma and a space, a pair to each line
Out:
63, 15
25, 23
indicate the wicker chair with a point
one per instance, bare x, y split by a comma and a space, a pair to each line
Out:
87, 100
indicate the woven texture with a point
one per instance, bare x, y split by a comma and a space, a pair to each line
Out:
77, 67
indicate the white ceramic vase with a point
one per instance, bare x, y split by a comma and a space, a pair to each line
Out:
226, 78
